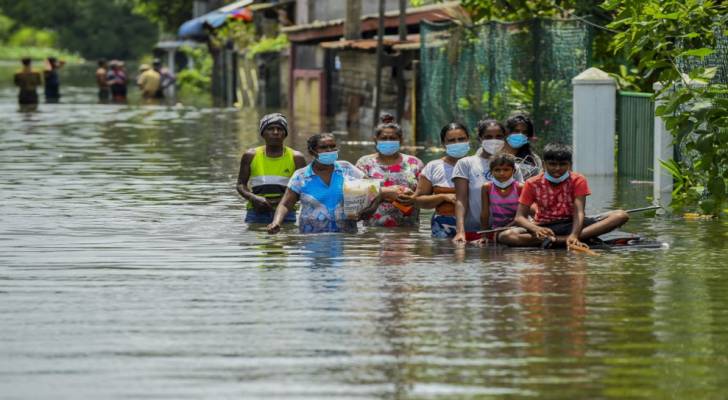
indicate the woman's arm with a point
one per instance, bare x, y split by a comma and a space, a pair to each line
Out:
284, 207
485, 211
424, 198
461, 208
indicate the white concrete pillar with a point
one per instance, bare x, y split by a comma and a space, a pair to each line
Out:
594, 122
662, 181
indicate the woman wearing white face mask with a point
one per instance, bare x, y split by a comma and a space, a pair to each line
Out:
469, 175
518, 144
435, 188
395, 170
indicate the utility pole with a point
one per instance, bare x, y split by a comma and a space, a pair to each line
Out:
401, 83
380, 63
352, 24
402, 20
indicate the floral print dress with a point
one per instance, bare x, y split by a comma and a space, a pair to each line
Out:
404, 174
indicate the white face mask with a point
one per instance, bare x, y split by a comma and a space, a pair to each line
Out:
492, 146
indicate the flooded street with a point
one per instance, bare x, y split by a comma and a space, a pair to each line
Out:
126, 271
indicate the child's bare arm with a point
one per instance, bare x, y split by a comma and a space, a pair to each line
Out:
522, 220
577, 221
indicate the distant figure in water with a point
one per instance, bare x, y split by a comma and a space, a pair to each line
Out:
27, 81
148, 82
116, 78
51, 79
101, 81
166, 78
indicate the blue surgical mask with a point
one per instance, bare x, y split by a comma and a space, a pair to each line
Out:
517, 140
505, 184
328, 158
560, 179
387, 147
457, 150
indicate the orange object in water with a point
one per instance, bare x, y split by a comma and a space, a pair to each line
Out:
406, 210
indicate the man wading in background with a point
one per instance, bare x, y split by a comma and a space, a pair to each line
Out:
265, 170
101, 81
27, 81
148, 81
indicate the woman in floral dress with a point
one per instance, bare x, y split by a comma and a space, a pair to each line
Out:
394, 169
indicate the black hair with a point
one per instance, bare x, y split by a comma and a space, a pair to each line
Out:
484, 124
391, 125
557, 152
451, 127
386, 118
25, 61
102, 61
313, 140
520, 119
502, 159
524, 151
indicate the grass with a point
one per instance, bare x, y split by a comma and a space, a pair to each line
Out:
37, 53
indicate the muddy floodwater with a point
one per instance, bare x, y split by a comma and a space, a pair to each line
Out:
126, 272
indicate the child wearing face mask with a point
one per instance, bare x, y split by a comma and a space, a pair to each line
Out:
518, 143
469, 175
560, 198
500, 196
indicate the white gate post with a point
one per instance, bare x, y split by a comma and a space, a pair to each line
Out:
663, 150
594, 122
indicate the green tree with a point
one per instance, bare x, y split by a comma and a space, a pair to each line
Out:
169, 13
670, 39
94, 28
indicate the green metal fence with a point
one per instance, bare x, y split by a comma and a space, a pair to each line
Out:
635, 135
494, 69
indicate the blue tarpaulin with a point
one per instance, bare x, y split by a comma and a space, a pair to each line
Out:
195, 28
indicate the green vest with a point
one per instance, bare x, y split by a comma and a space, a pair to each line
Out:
268, 175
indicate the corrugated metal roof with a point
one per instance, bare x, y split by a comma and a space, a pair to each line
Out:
369, 44
340, 21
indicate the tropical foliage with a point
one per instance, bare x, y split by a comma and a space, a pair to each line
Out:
196, 80
673, 42
93, 28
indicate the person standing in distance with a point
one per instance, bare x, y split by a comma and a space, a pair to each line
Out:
265, 171
27, 81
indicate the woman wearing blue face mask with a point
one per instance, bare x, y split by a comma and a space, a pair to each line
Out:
518, 144
320, 188
435, 188
396, 171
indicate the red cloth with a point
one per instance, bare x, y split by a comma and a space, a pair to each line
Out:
553, 202
470, 236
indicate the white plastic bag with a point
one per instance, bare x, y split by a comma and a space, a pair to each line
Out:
358, 194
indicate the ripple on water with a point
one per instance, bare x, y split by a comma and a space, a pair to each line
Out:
126, 271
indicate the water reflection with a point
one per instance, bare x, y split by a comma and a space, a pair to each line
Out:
126, 271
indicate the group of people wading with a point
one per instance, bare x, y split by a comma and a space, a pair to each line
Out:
523, 199
111, 79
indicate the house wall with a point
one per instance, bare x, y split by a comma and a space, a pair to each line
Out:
352, 82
